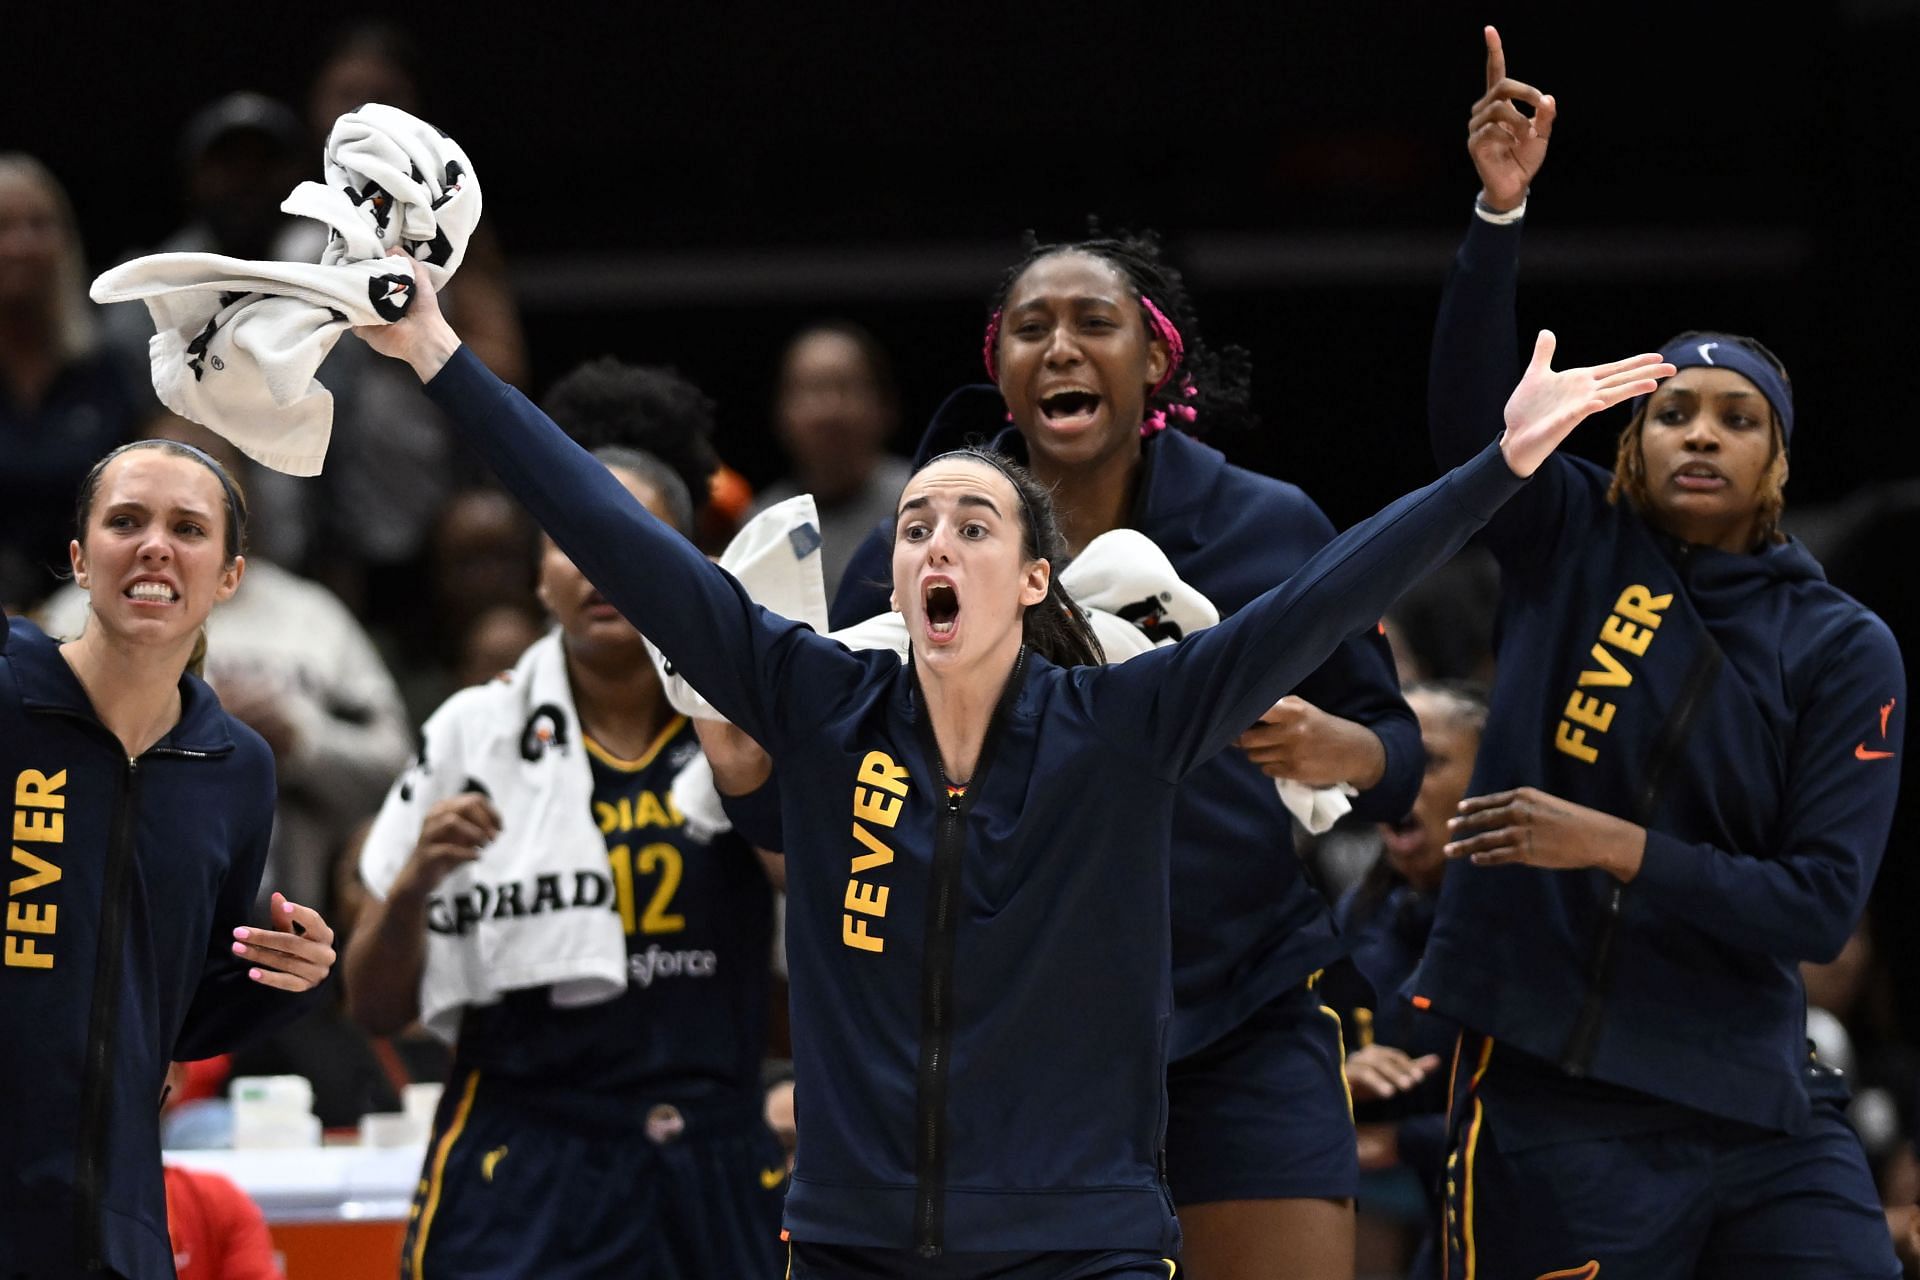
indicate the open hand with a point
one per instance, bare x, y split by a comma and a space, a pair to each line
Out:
1380, 1071
1527, 827
1548, 404
295, 955
1507, 146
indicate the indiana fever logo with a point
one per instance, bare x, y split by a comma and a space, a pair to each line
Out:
546, 727
1150, 616
390, 295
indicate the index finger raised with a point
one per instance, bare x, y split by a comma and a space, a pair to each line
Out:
1496, 58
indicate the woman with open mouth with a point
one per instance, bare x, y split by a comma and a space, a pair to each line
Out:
977, 841
1101, 380
1685, 788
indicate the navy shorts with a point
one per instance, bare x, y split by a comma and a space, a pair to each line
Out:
837, 1262
1263, 1113
513, 1189
1708, 1198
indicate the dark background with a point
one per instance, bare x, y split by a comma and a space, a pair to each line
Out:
688, 183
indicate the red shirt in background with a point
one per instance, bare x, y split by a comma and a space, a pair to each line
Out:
217, 1232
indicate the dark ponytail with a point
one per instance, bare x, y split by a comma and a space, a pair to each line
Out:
1055, 628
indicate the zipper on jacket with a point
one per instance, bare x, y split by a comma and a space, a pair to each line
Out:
936, 972
96, 1101
1585, 1040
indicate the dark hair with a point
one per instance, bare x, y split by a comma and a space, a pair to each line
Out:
1220, 380
663, 479
1055, 628
872, 354
234, 541
1468, 699
652, 409
1629, 462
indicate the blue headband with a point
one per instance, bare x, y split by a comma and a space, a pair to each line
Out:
1724, 351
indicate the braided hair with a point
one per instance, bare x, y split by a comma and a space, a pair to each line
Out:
1203, 384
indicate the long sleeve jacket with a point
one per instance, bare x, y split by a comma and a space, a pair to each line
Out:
980, 980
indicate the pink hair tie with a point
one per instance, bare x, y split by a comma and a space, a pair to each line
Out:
993, 340
1153, 423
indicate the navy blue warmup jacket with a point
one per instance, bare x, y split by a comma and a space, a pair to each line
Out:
1246, 923
125, 882
1741, 708
980, 982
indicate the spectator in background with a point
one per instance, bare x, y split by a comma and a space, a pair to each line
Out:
62, 401
1400, 1100
494, 642
834, 412
288, 660
239, 157
481, 557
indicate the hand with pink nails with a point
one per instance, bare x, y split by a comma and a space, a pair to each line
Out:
295, 955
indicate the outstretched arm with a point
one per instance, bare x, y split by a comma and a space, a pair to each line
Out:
771, 676
1186, 703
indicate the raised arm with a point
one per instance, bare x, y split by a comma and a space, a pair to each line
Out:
765, 673
1476, 341
1186, 703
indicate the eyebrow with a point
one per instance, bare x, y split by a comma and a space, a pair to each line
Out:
964, 500
1079, 300
134, 504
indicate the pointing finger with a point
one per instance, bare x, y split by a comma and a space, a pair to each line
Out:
1496, 58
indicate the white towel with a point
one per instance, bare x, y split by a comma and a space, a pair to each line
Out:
1133, 597
237, 343
776, 557
518, 738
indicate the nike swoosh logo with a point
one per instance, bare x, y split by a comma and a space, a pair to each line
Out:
771, 1178
1861, 753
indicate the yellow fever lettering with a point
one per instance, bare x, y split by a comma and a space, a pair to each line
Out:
35, 790
1630, 628
879, 795
43, 873
38, 819
879, 856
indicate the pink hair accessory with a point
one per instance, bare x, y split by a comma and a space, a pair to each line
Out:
1164, 330
1153, 423
993, 339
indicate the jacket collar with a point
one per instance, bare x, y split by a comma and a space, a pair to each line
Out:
45, 683
1178, 472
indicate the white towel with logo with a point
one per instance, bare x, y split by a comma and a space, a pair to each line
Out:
1131, 594
517, 738
237, 343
